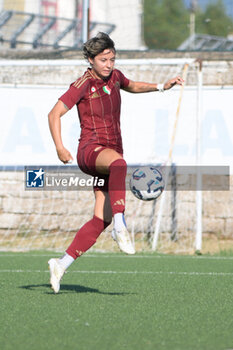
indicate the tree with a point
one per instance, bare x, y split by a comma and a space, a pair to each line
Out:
165, 23
214, 20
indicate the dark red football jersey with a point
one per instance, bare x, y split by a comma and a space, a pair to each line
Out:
99, 105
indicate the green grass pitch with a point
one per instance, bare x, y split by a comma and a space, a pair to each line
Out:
114, 301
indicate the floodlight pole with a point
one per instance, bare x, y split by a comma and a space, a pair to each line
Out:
85, 20
192, 18
198, 243
192, 23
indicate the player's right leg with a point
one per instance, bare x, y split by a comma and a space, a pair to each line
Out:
111, 162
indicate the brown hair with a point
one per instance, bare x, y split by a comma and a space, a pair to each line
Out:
98, 44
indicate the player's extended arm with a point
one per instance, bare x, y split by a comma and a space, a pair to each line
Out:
55, 128
138, 86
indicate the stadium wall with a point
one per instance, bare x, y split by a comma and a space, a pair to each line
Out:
62, 72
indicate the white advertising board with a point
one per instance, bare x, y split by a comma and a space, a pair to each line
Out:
147, 122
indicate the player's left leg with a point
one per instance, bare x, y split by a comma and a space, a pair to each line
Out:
84, 239
88, 233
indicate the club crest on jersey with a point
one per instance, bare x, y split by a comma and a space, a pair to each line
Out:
107, 90
93, 89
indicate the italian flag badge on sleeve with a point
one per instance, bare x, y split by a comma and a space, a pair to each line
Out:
107, 90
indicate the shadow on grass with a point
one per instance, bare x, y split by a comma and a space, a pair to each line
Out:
67, 288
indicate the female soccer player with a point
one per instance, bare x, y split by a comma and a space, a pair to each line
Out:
97, 97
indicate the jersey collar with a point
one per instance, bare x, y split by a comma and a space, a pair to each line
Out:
99, 79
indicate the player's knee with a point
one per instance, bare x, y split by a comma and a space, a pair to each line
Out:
119, 163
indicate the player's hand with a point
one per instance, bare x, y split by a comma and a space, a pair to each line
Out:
64, 155
172, 82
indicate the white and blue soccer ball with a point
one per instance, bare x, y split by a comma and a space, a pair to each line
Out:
146, 183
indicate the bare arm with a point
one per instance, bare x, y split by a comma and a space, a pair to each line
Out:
137, 86
55, 128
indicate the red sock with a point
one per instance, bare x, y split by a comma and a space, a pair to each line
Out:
86, 236
116, 185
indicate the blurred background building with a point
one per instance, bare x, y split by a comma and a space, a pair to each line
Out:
59, 23
133, 24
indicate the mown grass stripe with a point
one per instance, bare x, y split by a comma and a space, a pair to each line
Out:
190, 273
104, 256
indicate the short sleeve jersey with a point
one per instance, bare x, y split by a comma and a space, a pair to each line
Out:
99, 104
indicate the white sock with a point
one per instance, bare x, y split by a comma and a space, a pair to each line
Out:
119, 221
65, 261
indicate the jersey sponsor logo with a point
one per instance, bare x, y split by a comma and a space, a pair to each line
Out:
95, 95
107, 90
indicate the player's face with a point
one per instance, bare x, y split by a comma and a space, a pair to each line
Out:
103, 64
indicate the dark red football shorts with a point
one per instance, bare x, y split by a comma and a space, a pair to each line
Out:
86, 159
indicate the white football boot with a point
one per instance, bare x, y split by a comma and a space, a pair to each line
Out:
56, 273
123, 240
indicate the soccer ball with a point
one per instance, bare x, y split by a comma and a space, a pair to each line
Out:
146, 183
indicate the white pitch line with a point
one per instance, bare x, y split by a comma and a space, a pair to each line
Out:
130, 272
160, 257
159, 273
